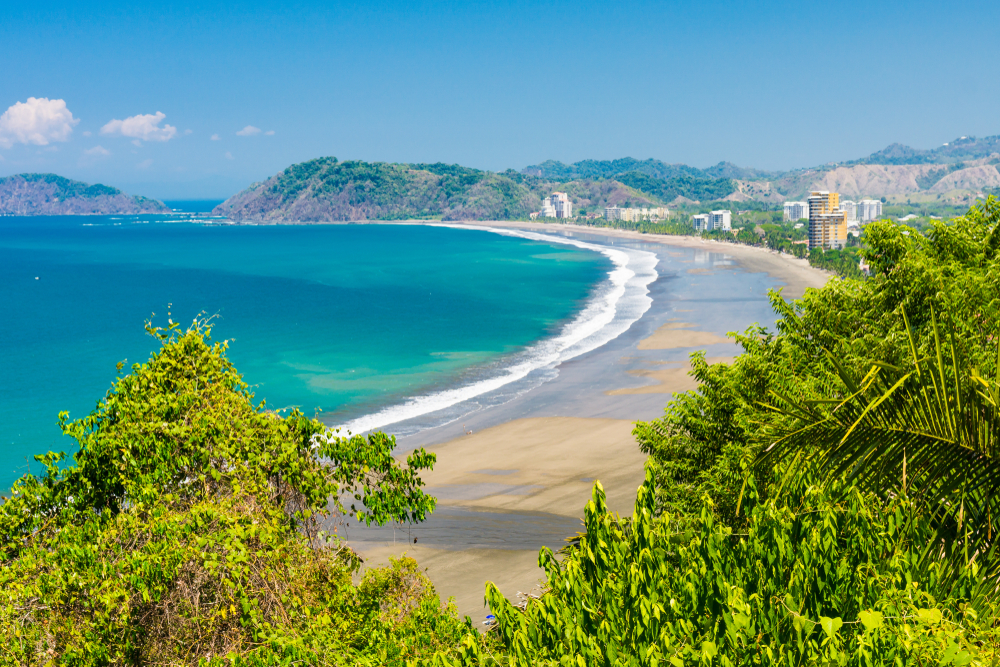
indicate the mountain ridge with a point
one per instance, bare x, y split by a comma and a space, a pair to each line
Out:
51, 194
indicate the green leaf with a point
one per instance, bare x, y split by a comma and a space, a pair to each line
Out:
830, 625
870, 619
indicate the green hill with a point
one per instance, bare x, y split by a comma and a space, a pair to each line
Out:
49, 194
327, 190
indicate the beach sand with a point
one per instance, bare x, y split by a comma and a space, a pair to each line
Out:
517, 477
499, 480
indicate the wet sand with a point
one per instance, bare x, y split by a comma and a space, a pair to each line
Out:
513, 478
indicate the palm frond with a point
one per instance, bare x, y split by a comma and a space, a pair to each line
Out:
928, 431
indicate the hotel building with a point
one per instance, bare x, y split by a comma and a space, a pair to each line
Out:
707, 222
869, 210
556, 205
827, 227
635, 214
796, 210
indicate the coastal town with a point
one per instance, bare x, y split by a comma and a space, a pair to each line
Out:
830, 219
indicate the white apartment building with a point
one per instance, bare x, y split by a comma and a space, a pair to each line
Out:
869, 209
635, 214
707, 222
850, 210
721, 219
796, 210
556, 205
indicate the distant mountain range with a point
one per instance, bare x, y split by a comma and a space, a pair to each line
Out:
48, 194
326, 189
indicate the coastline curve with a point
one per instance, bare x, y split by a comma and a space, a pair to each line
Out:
617, 303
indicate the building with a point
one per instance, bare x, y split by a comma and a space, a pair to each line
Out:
869, 209
635, 214
796, 210
556, 205
850, 210
707, 222
827, 227
721, 220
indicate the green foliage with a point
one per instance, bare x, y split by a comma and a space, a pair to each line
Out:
684, 185
66, 188
705, 437
186, 529
843, 261
811, 578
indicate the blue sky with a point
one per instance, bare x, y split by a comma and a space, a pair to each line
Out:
490, 85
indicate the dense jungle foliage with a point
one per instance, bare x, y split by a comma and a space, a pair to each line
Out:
829, 498
186, 530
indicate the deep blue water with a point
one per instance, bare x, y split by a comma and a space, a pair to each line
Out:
345, 319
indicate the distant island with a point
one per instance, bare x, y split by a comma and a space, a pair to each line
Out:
329, 190
49, 194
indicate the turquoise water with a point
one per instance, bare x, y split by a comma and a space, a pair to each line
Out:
339, 319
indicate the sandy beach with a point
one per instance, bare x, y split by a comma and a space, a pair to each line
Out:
513, 478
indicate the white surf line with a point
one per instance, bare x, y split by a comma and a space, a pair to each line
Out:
624, 299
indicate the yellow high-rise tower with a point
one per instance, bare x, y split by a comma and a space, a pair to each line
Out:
827, 227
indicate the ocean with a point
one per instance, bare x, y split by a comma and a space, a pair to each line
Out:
362, 325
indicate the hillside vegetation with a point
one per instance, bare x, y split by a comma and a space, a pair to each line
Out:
326, 189
49, 194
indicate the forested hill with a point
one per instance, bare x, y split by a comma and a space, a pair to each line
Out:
326, 189
49, 194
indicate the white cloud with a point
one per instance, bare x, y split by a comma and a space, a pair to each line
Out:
269, 133
214, 137
136, 142
229, 156
188, 131
145, 164
37, 121
87, 133
248, 131
145, 127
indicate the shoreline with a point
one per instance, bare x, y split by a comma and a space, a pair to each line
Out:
514, 477
796, 273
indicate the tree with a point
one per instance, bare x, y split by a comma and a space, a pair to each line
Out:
188, 528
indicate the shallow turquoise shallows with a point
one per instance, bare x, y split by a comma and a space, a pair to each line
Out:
346, 319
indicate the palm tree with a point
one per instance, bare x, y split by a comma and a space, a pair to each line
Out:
929, 431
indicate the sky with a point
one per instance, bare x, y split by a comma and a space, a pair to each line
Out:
199, 100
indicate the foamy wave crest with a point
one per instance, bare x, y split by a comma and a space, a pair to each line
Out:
615, 305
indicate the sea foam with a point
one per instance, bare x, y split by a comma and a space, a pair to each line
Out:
615, 305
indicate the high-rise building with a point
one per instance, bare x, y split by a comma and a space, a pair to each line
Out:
850, 210
869, 209
827, 227
707, 222
721, 220
796, 210
557, 205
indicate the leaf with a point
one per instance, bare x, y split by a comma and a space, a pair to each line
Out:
709, 649
830, 625
930, 616
871, 619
